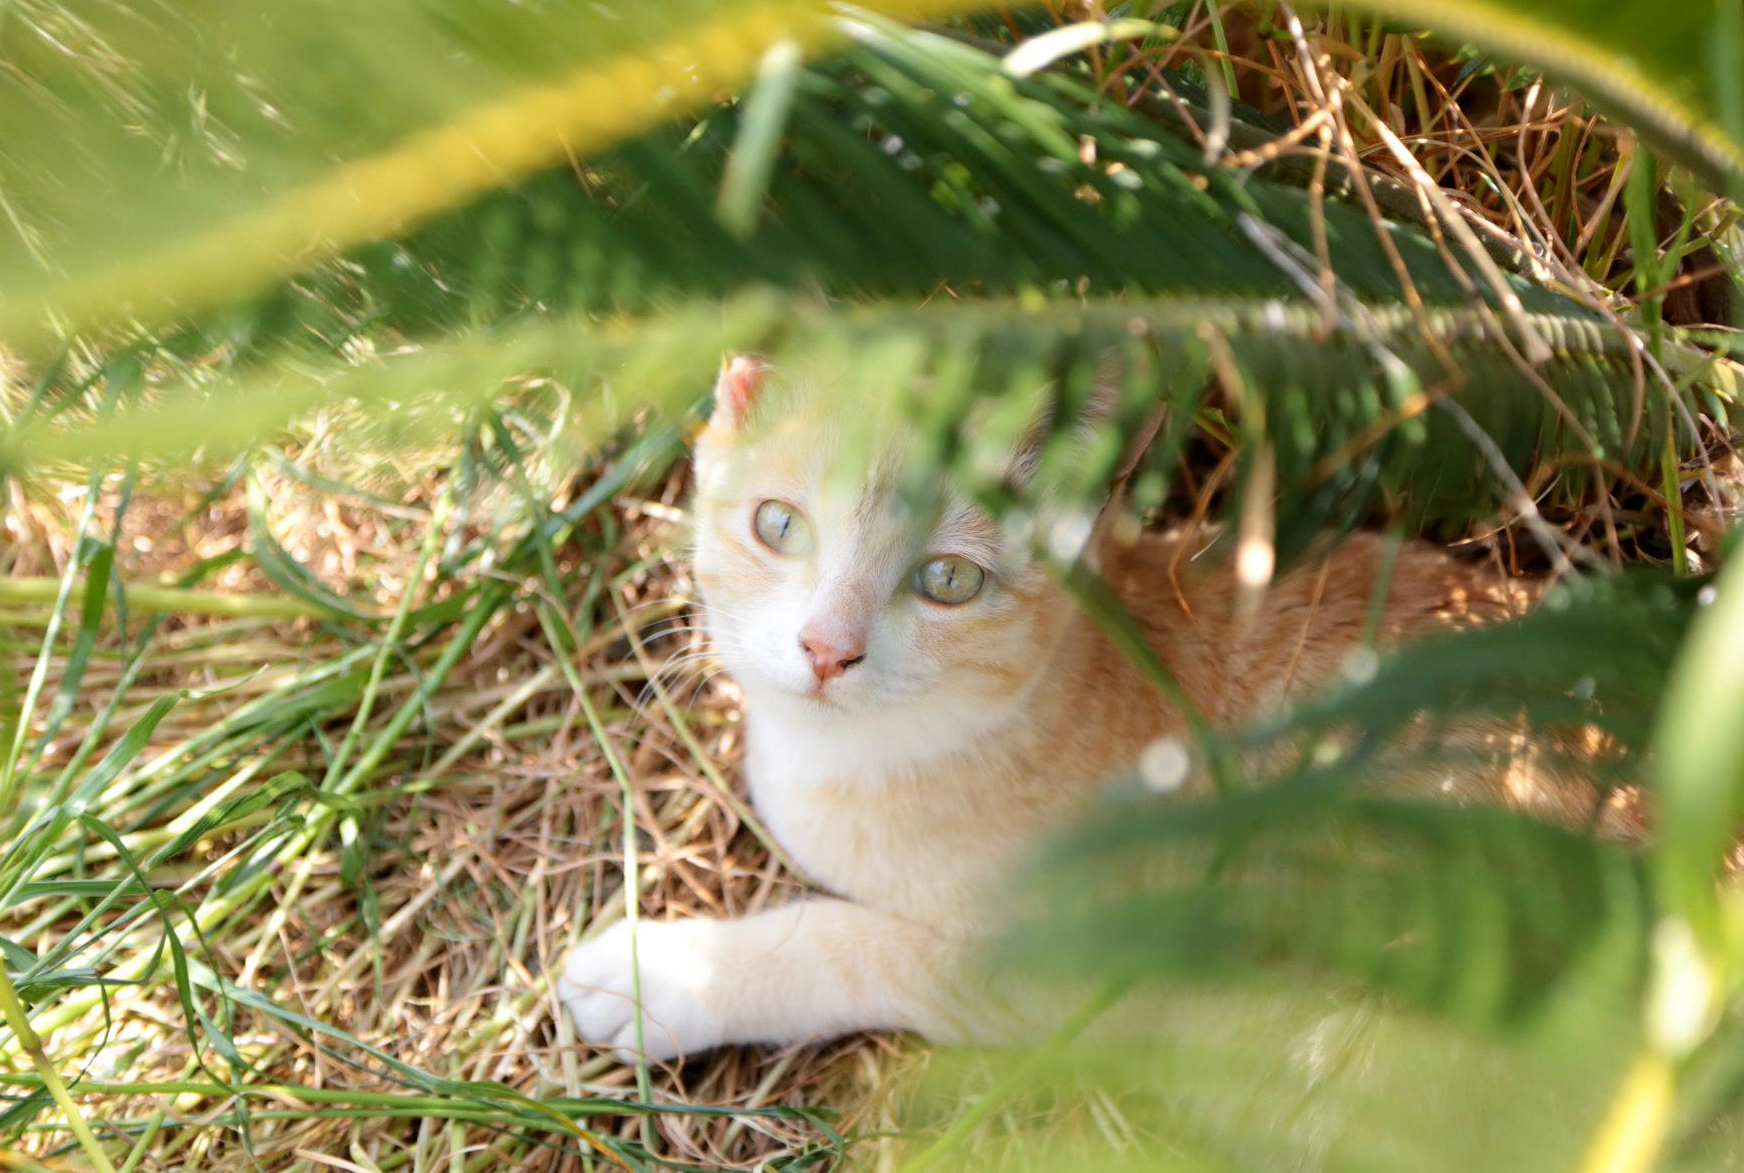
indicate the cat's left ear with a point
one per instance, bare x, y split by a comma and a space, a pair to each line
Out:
1096, 412
741, 381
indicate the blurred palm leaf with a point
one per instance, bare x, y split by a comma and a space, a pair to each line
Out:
1322, 398
177, 159
913, 164
1274, 1070
1473, 912
164, 160
1364, 981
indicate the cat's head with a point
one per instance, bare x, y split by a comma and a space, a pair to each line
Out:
834, 589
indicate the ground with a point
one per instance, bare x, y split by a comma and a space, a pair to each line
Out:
427, 917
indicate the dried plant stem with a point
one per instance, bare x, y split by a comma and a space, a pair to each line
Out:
170, 600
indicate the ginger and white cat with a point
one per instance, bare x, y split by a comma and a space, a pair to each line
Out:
924, 703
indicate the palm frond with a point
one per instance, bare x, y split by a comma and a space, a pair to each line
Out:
913, 167
1314, 936
250, 132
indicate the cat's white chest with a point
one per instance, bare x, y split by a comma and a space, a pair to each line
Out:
902, 847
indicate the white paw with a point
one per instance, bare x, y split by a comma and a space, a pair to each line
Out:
676, 963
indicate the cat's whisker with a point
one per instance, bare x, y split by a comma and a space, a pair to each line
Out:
712, 608
676, 686
669, 602
670, 668
669, 632
674, 669
676, 676
702, 681
701, 685
661, 627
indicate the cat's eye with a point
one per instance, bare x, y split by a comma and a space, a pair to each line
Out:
949, 579
782, 528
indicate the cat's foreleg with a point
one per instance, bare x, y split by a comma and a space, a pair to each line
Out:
811, 969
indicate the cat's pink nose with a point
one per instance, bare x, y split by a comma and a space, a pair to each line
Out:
830, 657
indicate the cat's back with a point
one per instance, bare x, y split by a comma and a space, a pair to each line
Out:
1332, 614
1235, 646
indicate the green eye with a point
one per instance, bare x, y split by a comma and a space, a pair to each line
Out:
950, 579
782, 528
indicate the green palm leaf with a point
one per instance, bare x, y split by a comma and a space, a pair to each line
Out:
1299, 951
271, 160
1472, 911
165, 160
914, 162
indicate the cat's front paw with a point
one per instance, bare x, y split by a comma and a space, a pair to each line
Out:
675, 960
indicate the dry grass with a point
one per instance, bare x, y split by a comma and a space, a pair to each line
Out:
480, 861
1499, 167
1531, 161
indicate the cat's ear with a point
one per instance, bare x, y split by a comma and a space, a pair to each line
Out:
1098, 411
741, 381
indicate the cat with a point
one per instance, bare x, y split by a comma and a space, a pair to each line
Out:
924, 703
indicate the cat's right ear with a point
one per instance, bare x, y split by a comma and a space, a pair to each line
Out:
741, 381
